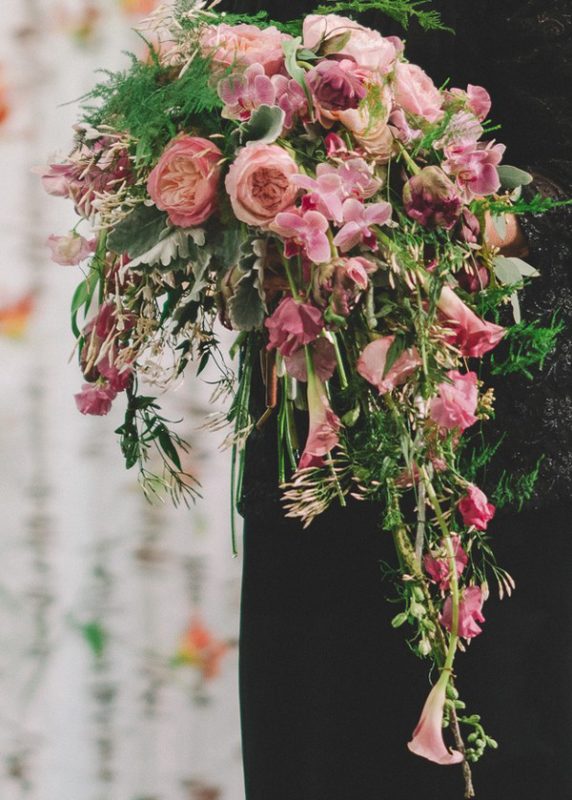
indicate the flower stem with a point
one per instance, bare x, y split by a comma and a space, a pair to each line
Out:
291, 281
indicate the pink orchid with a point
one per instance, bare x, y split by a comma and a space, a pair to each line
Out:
358, 270
427, 740
291, 98
95, 399
326, 194
307, 229
474, 165
358, 218
242, 93
71, 250
371, 365
438, 567
455, 406
479, 101
470, 613
335, 146
475, 508
323, 357
356, 177
323, 423
472, 335
293, 325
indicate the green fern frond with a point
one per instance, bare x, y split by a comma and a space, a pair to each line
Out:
402, 11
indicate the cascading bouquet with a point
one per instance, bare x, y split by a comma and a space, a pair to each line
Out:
315, 190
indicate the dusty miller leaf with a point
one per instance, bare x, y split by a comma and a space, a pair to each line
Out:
246, 308
511, 177
138, 232
264, 126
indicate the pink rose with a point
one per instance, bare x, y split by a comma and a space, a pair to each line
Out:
185, 180
323, 425
456, 404
427, 740
367, 47
476, 98
438, 568
336, 85
259, 183
95, 399
71, 249
371, 365
473, 335
369, 126
293, 325
242, 45
416, 93
470, 613
323, 357
475, 508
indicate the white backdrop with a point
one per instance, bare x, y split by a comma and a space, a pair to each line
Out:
97, 587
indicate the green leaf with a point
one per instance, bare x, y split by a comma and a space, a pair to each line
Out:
399, 620
512, 270
138, 232
515, 303
511, 177
172, 244
95, 636
395, 350
246, 308
499, 223
264, 126
291, 48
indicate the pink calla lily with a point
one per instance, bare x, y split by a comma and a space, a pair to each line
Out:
473, 335
427, 740
324, 424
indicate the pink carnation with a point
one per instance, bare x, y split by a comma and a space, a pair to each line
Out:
475, 508
71, 249
438, 567
293, 325
416, 93
470, 613
242, 45
371, 365
95, 399
472, 335
456, 404
367, 47
185, 180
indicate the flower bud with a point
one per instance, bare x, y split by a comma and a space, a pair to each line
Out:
432, 199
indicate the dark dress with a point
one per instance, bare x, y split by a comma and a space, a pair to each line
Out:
329, 691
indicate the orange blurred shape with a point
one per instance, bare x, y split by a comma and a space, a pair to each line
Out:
81, 25
138, 7
4, 105
201, 650
15, 317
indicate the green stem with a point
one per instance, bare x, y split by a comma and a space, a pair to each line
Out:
414, 168
339, 361
291, 281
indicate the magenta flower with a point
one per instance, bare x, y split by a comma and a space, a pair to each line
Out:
336, 85
242, 93
455, 406
431, 199
70, 250
307, 229
427, 740
472, 335
291, 98
358, 218
95, 399
473, 278
324, 424
293, 325
438, 568
335, 146
118, 378
475, 508
474, 165
323, 357
470, 613
371, 365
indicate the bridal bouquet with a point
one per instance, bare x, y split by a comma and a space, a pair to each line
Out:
315, 191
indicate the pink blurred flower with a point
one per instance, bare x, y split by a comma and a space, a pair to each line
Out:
358, 218
400, 127
416, 93
456, 404
437, 566
95, 399
336, 86
259, 183
323, 357
470, 613
367, 47
474, 165
242, 45
472, 335
323, 424
291, 98
307, 229
184, 182
371, 364
293, 325
431, 199
71, 249
475, 508
242, 93
427, 740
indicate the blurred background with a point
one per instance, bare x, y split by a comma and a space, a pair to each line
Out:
118, 619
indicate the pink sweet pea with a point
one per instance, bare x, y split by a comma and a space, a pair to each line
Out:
323, 356
456, 404
427, 740
479, 101
371, 364
71, 249
358, 218
118, 378
470, 613
472, 335
293, 325
307, 229
438, 568
335, 146
95, 399
474, 165
475, 508
323, 424
401, 128
242, 93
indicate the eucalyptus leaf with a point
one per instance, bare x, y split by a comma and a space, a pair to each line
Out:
499, 223
511, 177
291, 49
515, 302
246, 308
264, 126
512, 270
138, 232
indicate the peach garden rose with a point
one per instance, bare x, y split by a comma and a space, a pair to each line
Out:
242, 45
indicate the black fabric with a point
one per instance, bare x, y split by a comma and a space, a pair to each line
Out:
329, 692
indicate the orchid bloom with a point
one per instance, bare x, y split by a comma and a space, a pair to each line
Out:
474, 164
325, 194
305, 228
427, 740
324, 424
241, 94
358, 218
356, 177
